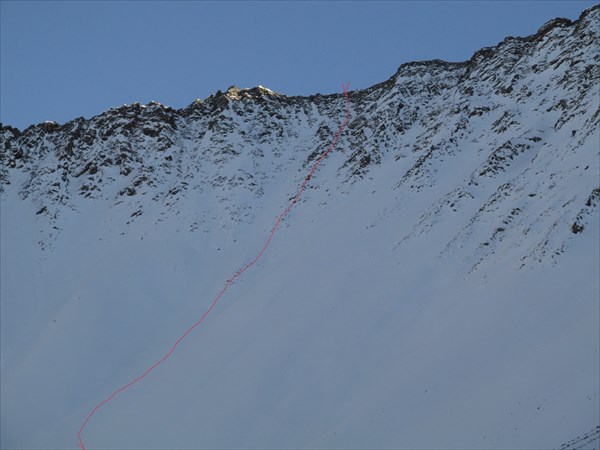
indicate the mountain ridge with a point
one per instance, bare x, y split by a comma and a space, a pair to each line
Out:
544, 29
148, 140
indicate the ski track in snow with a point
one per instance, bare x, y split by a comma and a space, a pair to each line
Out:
232, 279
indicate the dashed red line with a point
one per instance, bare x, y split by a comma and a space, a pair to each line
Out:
232, 279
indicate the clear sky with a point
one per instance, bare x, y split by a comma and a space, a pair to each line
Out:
64, 59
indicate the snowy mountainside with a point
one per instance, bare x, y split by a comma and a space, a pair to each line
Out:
437, 285
490, 119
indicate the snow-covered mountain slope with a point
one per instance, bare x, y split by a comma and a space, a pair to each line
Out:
436, 287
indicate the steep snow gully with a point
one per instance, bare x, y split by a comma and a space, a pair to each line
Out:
233, 278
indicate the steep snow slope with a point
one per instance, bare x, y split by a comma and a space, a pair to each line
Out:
436, 287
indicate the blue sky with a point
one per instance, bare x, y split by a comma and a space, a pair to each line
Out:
61, 60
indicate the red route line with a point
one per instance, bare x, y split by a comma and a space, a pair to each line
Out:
232, 279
